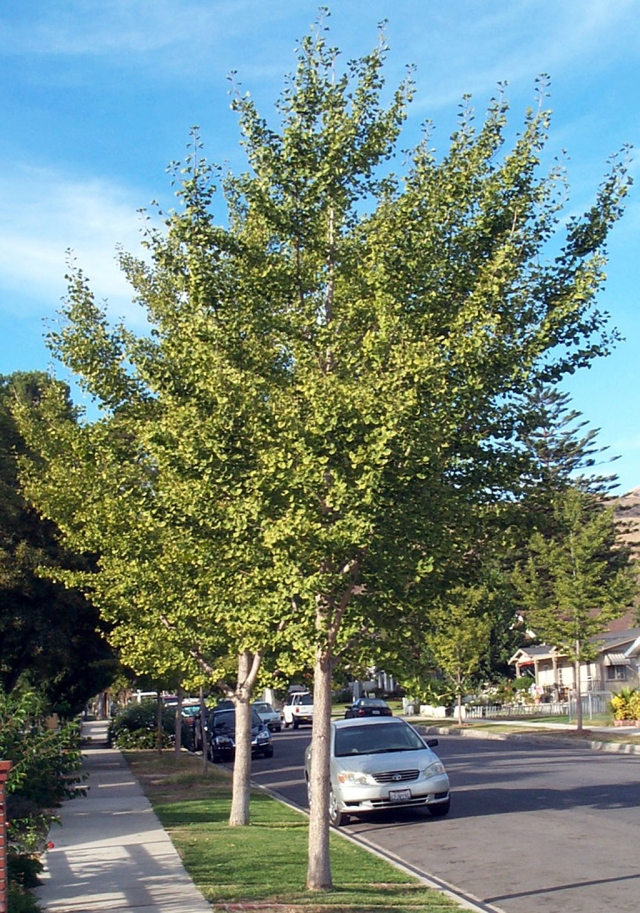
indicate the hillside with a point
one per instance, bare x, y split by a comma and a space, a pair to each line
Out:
628, 512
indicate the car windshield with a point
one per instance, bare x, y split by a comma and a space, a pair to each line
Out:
224, 719
306, 699
263, 708
370, 702
354, 740
191, 710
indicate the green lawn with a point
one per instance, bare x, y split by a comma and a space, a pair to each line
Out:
266, 862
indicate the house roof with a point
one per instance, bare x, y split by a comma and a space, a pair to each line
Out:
537, 651
619, 643
612, 639
634, 649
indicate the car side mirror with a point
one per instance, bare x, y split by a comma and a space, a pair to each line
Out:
432, 743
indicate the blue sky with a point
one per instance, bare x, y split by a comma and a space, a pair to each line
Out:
99, 96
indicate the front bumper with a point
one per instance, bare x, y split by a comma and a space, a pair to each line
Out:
355, 798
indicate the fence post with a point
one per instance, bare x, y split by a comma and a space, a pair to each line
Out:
5, 767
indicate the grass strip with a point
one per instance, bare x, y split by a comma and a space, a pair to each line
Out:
263, 866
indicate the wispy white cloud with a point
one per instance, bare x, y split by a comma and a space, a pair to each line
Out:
515, 40
117, 28
43, 214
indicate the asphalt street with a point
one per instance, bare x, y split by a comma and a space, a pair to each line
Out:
533, 827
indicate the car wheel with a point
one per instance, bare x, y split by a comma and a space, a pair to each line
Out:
440, 810
336, 817
268, 752
295, 724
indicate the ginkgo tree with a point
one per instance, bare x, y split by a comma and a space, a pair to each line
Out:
326, 401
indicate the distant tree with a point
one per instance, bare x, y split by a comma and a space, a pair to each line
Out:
458, 637
576, 580
559, 451
48, 634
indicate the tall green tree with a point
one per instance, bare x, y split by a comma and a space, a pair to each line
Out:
325, 409
168, 582
576, 581
51, 636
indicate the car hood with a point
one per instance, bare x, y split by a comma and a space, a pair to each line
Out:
230, 731
380, 762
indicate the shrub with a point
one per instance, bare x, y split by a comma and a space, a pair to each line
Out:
634, 705
46, 768
626, 704
136, 727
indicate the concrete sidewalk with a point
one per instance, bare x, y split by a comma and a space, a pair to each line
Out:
111, 853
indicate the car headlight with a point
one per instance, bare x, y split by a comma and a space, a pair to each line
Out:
263, 736
355, 778
433, 770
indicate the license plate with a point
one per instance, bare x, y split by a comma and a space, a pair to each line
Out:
399, 795
375, 713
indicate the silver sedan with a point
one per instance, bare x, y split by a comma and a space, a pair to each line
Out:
382, 763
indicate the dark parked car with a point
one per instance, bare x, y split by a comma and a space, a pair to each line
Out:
222, 735
367, 706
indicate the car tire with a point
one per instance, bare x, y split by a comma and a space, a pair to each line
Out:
440, 810
336, 817
295, 724
268, 752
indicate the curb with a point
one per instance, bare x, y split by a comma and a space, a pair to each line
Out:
465, 901
534, 738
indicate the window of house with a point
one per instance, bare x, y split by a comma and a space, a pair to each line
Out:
616, 673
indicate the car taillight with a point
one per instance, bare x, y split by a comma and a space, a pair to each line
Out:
360, 712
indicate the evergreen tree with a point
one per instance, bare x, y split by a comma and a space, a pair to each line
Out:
576, 580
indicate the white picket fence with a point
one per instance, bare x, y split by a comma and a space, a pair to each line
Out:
593, 704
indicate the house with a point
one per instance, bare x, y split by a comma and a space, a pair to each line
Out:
617, 665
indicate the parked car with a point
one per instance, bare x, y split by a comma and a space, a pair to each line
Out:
380, 763
222, 735
268, 715
298, 709
191, 717
367, 706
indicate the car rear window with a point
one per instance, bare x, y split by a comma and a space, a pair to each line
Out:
226, 719
355, 740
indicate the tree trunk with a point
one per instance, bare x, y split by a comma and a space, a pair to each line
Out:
203, 731
578, 690
159, 714
242, 765
178, 722
248, 667
319, 864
